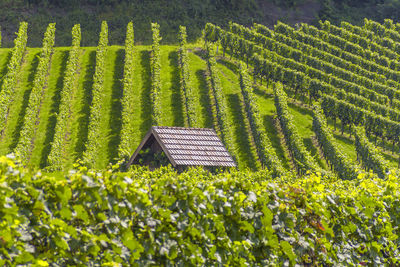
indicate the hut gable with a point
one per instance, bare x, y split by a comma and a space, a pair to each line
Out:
186, 147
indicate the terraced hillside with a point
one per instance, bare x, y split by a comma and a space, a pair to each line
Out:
61, 104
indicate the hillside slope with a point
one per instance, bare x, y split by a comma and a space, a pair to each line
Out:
244, 145
172, 115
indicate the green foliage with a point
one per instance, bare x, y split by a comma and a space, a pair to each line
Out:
187, 93
194, 14
331, 150
56, 157
93, 140
218, 102
367, 44
301, 157
387, 32
334, 54
265, 151
155, 66
280, 62
365, 66
378, 38
350, 114
336, 65
368, 154
350, 47
25, 142
13, 67
125, 147
330, 63
195, 218
119, 13
355, 12
147, 157
315, 63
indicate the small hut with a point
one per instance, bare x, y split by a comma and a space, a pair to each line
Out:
182, 147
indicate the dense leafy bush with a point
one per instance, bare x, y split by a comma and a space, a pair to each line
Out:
195, 218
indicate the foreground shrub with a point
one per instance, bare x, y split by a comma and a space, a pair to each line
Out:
195, 218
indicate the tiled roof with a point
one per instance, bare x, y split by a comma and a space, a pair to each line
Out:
192, 146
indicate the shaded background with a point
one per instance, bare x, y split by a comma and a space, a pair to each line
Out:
172, 13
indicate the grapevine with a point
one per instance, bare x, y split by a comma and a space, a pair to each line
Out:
55, 158
93, 141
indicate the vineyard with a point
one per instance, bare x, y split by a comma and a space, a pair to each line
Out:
258, 87
305, 107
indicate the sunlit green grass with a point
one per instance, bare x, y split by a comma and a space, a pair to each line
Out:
141, 86
49, 108
80, 107
171, 104
197, 68
231, 87
110, 125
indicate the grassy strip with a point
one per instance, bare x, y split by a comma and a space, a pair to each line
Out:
49, 109
80, 109
141, 122
170, 96
5, 56
245, 148
93, 141
197, 68
25, 143
55, 158
112, 107
242, 137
